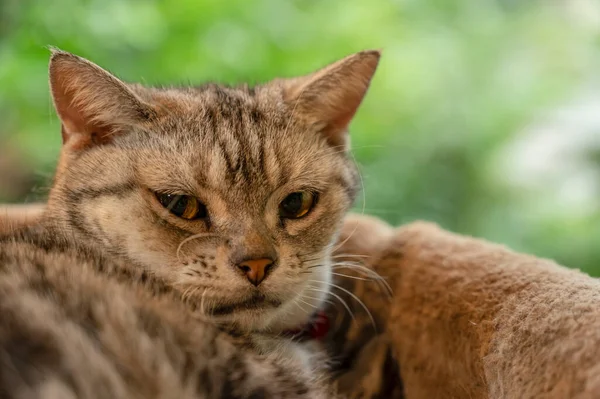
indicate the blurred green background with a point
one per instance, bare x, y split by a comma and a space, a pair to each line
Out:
483, 117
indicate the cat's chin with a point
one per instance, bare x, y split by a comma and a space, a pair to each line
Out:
269, 316
287, 317
300, 310
267, 321
262, 320
274, 311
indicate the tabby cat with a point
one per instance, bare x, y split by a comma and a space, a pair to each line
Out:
187, 240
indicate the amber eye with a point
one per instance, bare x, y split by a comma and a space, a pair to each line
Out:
184, 206
297, 205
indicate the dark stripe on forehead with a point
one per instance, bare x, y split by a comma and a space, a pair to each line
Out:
261, 143
256, 116
250, 145
233, 164
284, 172
234, 119
261, 156
251, 168
228, 101
213, 119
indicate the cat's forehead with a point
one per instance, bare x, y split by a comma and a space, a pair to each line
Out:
234, 139
239, 123
213, 107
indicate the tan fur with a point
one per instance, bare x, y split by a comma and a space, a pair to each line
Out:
109, 293
470, 319
344, 82
76, 325
13, 217
220, 145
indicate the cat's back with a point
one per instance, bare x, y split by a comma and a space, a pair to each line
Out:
70, 328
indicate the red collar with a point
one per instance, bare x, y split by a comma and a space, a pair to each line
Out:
317, 328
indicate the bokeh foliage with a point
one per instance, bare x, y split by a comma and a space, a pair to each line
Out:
459, 80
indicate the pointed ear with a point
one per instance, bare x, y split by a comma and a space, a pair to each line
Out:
92, 104
330, 97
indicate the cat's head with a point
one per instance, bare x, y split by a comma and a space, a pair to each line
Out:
234, 196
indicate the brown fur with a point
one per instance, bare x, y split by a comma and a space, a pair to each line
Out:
363, 357
77, 325
470, 319
239, 150
13, 217
108, 293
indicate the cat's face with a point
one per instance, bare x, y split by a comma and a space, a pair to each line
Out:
232, 196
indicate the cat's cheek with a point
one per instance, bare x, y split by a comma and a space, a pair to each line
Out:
310, 292
122, 225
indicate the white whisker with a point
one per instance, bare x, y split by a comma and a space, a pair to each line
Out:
317, 260
349, 256
366, 271
354, 277
303, 301
321, 264
357, 299
336, 296
300, 307
190, 238
319, 299
202, 301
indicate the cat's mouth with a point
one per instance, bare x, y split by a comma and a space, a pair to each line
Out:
257, 301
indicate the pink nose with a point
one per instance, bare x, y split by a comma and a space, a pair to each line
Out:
256, 270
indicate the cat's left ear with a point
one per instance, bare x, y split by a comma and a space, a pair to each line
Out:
330, 97
93, 105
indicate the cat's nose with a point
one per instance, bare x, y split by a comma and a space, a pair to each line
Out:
256, 270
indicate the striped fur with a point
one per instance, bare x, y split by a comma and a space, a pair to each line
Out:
113, 296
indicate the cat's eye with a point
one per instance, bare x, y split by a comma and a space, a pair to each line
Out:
297, 205
183, 206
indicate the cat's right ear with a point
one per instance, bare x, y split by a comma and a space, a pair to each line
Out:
92, 104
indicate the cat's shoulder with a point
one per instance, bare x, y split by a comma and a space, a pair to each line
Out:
363, 235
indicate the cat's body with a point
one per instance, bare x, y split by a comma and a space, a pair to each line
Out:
186, 232
77, 324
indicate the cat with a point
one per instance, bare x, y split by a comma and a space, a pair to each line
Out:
187, 239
